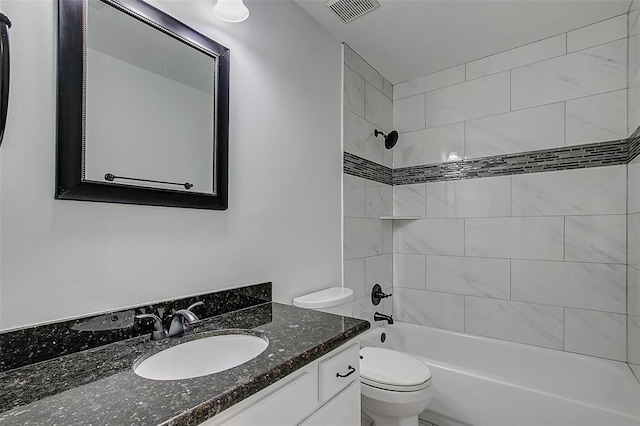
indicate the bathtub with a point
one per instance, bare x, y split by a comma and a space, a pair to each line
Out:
487, 382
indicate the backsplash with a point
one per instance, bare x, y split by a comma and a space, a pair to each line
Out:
43, 342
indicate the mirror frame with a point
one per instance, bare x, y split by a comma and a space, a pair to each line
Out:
70, 112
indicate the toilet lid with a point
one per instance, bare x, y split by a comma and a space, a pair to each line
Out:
387, 367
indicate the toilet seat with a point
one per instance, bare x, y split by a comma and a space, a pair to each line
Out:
392, 370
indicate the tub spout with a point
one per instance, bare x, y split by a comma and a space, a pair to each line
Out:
382, 317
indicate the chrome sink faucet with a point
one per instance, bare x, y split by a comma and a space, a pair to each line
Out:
181, 321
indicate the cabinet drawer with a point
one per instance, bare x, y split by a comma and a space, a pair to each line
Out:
282, 404
337, 372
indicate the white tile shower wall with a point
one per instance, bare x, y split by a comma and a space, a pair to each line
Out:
368, 246
536, 96
633, 267
507, 257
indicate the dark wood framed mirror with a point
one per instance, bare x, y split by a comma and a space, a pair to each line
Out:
143, 108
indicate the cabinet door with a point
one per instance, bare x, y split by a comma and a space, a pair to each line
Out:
342, 410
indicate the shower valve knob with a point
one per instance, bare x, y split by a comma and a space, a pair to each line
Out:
377, 294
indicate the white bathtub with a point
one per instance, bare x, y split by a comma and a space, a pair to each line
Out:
487, 382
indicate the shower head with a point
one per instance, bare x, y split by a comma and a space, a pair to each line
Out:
390, 140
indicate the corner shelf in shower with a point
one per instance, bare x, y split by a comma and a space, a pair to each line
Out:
399, 217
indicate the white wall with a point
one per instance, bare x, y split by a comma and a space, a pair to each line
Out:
63, 258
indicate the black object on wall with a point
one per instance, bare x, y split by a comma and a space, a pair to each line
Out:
5, 24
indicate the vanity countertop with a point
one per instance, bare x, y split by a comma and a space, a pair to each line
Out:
98, 386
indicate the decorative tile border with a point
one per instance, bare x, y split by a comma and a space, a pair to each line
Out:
564, 158
634, 145
357, 166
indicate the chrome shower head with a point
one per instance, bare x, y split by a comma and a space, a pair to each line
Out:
390, 140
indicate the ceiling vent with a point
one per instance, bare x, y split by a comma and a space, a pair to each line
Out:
348, 10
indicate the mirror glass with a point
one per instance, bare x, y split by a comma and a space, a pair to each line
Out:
143, 108
149, 106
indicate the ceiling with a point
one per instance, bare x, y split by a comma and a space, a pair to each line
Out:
404, 39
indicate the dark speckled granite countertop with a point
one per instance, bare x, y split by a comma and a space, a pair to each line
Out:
98, 386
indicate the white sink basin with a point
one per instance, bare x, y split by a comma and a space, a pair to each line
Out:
201, 357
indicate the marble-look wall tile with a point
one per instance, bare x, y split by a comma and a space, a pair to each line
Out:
632, 23
523, 55
354, 86
429, 236
465, 101
598, 118
387, 236
378, 108
387, 89
378, 270
433, 145
533, 324
633, 108
633, 291
633, 343
525, 130
469, 276
409, 200
429, 82
633, 76
379, 199
592, 191
598, 33
486, 197
633, 205
362, 237
578, 285
358, 138
353, 196
442, 310
587, 72
409, 271
633, 235
360, 66
535, 238
354, 276
409, 114
596, 238
595, 333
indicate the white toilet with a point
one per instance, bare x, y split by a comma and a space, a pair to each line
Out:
396, 387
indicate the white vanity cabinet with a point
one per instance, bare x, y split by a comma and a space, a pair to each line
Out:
324, 392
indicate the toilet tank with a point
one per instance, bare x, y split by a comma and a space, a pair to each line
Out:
334, 300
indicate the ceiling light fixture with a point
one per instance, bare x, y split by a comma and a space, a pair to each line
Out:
231, 10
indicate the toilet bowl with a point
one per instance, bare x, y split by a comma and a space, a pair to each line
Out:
395, 387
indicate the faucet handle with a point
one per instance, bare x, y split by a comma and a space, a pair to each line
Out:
377, 295
195, 305
158, 332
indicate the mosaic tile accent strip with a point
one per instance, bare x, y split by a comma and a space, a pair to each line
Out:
43, 342
357, 166
600, 154
565, 158
634, 145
